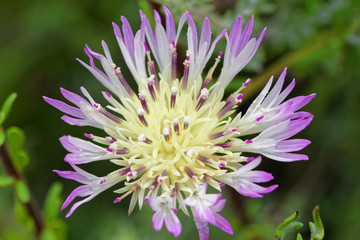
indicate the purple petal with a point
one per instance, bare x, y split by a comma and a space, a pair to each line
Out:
72, 97
245, 36
223, 224
80, 191
170, 25
173, 224
72, 175
77, 204
74, 121
235, 33
158, 221
64, 140
192, 26
257, 176
203, 229
286, 157
219, 206
204, 214
117, 31
292, 145
128, 36
205, 33
64, 107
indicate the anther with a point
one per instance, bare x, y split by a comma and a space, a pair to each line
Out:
107, 114
110, 139
124, 171
122, 151
173, 60
208, 77
224, 145
204, 94
190, 173
175, 122
140, 113
248, 141
151, 67
155, 183
123, 81
88, 135
221, 134
150, 83
204, 159
174, 92
143, 138
166, 133
249, 159
247, 82
103, 181
142, 97
186, 73
190, 153
137, 172
187, 121
163, 176
259, 118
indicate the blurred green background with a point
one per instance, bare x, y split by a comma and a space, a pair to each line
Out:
318, 41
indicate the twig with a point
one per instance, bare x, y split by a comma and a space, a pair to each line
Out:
31, 206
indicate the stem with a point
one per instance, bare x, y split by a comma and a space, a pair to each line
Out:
31, 206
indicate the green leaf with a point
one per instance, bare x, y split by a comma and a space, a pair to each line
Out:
6, 181
22, 191
299, 237
15, 140
2, 136
6, 107
53, 202
287, 226
317, 228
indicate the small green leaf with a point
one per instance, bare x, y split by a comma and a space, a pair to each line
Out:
299, 237
22, 191
53, 202
6, 107
317, 228
15, 140
287, 226
2, 136
6, 181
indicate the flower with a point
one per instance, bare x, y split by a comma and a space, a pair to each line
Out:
174, 135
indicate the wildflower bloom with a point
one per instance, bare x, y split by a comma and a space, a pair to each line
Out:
174, 135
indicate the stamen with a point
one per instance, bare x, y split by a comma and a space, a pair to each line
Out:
187, 121
150, 82
174, 92
247, 82
107, 114
230, 102
204, 159
163, 175
175, 122
190, 173
207, 177
224, 145
103, 181
173, 60
221, 134
249, 159
137, 172
221, 184
190, 153
151, 67
248, 141
125, 171
208, 77
110, 140
175, 191
88, 135
186, 72
155, 183
140, 113
166, 133
123, 81
222, 165
143, 138
204, 94
142, 97
118, 151
259, 118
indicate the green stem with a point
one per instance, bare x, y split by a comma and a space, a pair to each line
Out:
31, 206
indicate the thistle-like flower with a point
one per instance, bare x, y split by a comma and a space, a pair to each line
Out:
174, 135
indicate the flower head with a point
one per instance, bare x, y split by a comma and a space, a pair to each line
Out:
174, 135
